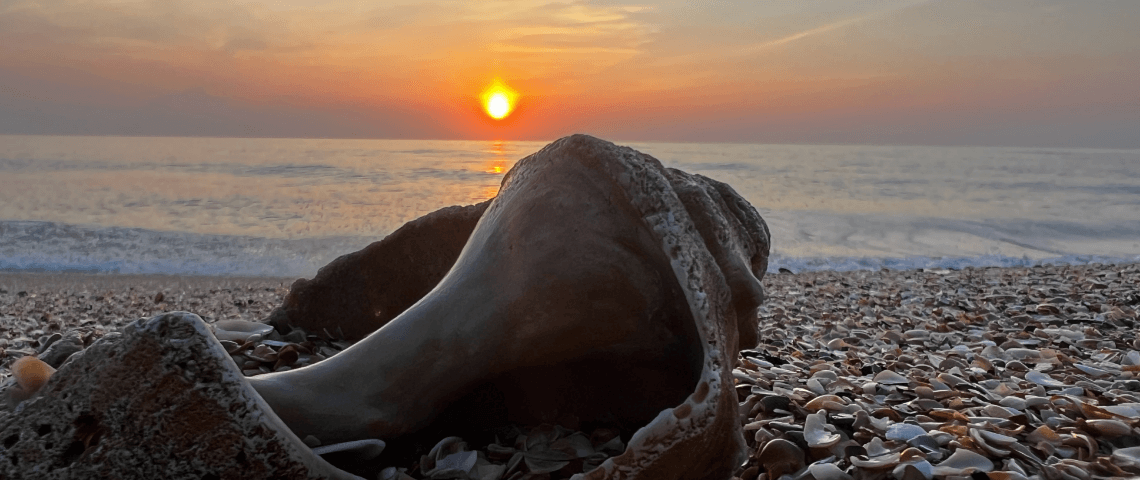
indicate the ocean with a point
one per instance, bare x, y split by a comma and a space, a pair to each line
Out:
286, 207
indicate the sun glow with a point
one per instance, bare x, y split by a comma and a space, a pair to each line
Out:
499, 100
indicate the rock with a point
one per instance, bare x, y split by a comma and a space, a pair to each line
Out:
160, 400
592, 259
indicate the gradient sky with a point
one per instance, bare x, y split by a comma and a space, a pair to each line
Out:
941, 72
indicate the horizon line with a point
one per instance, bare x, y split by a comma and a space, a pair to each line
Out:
619, 141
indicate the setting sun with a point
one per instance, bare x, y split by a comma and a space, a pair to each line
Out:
498, 106
499, 100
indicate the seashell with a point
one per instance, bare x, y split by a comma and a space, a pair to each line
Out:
31, 375
1013, 402
514, 462
263, 353
1007, 475
815, 432
837, 344
1044, 434
926, 443
1074, 390
994, 438
1093, 371
230, 345
882, 461
904, 431
827, 471
780, 457
997, 411
924, 392
875, 448
816, 403
950, 379
1042, 379
1132, 358
1109, 428
912, 454
239, 329
963, 461
493, 472
576, 444
391, 473
456, 465
1127, 456
499, 453
888, 377
993, 450
286, 358
359, 450
1091, 411
1086, 446
274, 343
1019, 353
1123, 411
1032, 401
918, 470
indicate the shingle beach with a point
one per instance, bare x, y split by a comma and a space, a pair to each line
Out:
1008, 372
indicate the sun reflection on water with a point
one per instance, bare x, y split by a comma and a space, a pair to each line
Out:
497, 164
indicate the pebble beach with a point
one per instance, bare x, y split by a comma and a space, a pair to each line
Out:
1022, 372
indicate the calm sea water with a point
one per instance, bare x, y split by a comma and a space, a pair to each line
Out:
285, 207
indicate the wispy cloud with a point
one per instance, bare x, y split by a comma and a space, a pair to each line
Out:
830, 27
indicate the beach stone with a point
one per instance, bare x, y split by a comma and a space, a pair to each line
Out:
360, 292
162, 399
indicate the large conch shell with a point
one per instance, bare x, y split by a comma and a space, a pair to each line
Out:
597, 285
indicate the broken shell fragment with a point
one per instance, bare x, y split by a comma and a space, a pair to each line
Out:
779, 457
963, 461
882, 461
239, 329
1129, 457
887, 377
904, 431
1043, 379
919, 470
827, 471
815, 431
359, 450
1109, 428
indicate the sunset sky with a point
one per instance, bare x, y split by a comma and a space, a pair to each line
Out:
943, 72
